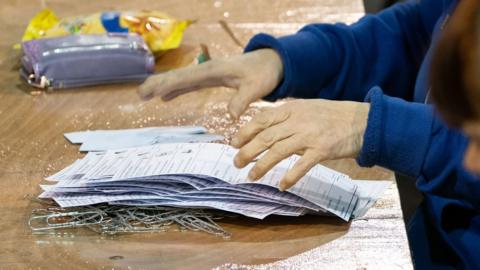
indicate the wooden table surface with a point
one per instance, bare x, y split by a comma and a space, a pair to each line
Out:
32, 147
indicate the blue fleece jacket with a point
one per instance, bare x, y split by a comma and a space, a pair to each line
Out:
384, 59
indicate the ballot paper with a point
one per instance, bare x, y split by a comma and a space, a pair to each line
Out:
102, 140
202, 175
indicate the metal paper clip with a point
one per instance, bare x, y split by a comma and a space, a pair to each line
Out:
66, 220
114, 219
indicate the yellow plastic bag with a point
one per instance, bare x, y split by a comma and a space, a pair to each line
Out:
160, 31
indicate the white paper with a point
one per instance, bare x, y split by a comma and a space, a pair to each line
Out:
102, 140
369, 191
203, 175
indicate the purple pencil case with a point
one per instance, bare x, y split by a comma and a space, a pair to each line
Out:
85, 60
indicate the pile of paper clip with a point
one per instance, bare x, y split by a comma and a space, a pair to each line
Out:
114, 219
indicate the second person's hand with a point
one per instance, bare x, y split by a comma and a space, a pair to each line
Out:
253, 74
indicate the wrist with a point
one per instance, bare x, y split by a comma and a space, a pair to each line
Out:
360, 120
273, 62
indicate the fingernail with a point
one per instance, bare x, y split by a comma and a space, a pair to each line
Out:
236, 162
281, 187
232, 114
145, 96
252, 176
235, 142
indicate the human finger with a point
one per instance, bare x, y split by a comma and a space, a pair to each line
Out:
263, 141
259, 122
278, 152
209, 74
245, 95
301, 167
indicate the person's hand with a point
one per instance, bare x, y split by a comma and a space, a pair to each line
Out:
316, 129
253, 74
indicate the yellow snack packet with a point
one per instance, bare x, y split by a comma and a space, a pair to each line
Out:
44, 20
160, 31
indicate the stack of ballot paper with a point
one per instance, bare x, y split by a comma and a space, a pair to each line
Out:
202, 175
101, 140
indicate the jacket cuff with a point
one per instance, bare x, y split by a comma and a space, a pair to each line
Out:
397, 134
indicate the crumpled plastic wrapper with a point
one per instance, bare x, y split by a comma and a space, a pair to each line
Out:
160, 31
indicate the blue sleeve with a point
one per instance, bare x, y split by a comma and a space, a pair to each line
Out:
453, 194
397, 134
344, 62
409, 138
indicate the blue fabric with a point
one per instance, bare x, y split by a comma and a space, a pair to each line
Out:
384, 59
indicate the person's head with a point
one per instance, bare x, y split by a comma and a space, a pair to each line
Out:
455, 76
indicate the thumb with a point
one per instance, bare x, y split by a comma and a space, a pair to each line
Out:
240, 101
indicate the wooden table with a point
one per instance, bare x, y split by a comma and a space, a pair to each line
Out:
32, 147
